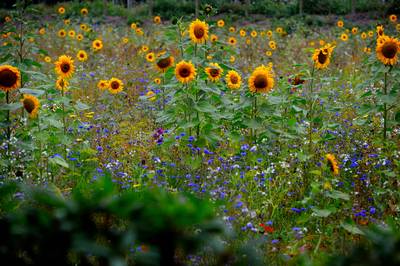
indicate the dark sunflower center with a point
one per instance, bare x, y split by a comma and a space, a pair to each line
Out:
232, 41
198, 32
331, 165
114, 85
298, 81
322, 57
29, 105
163, 63
8, 78
389, 50
62, 83
214, 72
81, 55
234, 79
97, 44
184, 72
65, 67
260, 82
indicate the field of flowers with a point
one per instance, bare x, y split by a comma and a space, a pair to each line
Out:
285, 133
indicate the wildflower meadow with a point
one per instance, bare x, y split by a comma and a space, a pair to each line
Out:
199, 132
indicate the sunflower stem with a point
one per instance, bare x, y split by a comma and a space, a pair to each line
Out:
63, 118
311, 107
385, 108
8, 133
255, 116
163, 92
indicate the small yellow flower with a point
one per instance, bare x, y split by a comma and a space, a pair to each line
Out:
61, 10
151, 95
221, 23
340, 23
344, 37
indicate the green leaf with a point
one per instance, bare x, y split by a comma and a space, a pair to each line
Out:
335, 194
58, 160
32, 91
10, 106
351, 228
81, 106
316, 172
205, 107
321, 212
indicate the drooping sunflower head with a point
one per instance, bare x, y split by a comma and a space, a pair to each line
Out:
150, 57
214, 72
157, 19
261, 80
322, 56
332, 163
164, 63
232, 41
233, 80
185, 71
387, 50
82, 56
102, 84
380, 30
31, 105
84, 11
10, 78
198, 31
64, 66
115, 85
97, 45
62, 84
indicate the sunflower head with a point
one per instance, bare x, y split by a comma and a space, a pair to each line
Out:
208, 9
157, 19
62, 84
79, 37
10, 78
344, 37
102, 84
214, 38
220, 23
393, 18
47, 59
380, 31
61, 10
164, 63
332, 163
84, 11
62, 33
214, 72
42, 31
232, 59
144, 48
185, 71
321, 56
133, 26
97, 45
354, 30
198, 31
150, 57
7, 19
151, 95
340, 23
232, 29
232, 41
31, 105
387, 50
64, 66
261, 80
115, 85
233, 80
363, 35
82, 56
71, 33
253, 33
157, 81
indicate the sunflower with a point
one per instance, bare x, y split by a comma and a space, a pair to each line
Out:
150, 57
62, 84
84, 11
340, 23
261, 80
139, 31
79, 37
151, 95
10, 78
233, 80
232, 41
354, 30
248, 41
42, 31
279, 30
232, 59
209, 57
321, 42
363, 35
82, 56
322, 56
83, 27
272, 45
164, 63
157, 19
71, 33
31, 105
198, 31
344, 37
97, 45
367, 50
144, 48
242, 32
7, 19
61, 10
133, 26
332, 163
220, 23
62, 33
379, 31
157, 81
268, 53
214, 38
269, 33
232, 29
208, 9
398, 26
64, 66
47, 59
102, 84
185, 71
214, 72
115, 85
370, 34
393, 18
253, 34
387, 49
125, 40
